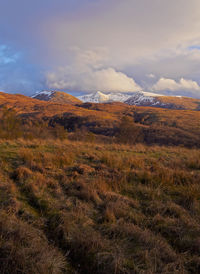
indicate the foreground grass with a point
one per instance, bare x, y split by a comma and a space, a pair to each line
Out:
70, 207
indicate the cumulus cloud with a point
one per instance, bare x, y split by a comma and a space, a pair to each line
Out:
88, 72
104, 80
189, 86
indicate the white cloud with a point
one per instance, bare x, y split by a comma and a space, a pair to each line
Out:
91, 80
110, 80
165, 84
88, 72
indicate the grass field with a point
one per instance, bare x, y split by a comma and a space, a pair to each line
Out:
82, 207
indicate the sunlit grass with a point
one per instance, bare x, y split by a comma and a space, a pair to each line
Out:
99, 208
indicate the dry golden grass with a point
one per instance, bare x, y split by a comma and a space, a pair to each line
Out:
80, 207
24, 249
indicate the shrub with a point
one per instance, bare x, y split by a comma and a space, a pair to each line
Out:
128, 132
10, 124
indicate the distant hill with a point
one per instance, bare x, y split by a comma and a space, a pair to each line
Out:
56, 97
160, 101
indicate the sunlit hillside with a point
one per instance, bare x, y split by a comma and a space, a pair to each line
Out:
156, 125
56, 97
181, 102
98, 188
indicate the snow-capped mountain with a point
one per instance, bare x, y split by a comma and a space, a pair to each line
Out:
56, 97
100, 97
144, 99
97, 97
140, 98
157, 100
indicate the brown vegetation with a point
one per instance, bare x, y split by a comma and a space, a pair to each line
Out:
80, 193
76, 207
59, 97
103, 121
181, 102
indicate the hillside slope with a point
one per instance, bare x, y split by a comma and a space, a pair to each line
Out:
56, 97
157, 126
169, 102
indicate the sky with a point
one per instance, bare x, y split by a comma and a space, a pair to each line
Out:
82, 46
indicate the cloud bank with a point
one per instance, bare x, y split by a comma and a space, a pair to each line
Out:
87, 45
108, 80
183, 85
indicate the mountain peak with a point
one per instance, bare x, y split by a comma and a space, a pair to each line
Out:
100, 97
56, 97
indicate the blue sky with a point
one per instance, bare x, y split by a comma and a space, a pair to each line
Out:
87, 45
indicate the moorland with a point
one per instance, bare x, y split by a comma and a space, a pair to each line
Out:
98, 188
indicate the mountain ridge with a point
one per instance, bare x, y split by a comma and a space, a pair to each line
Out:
56, 97
144, 99
100, 97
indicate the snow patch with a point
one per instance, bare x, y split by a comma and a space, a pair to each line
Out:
44, 92
100, 97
